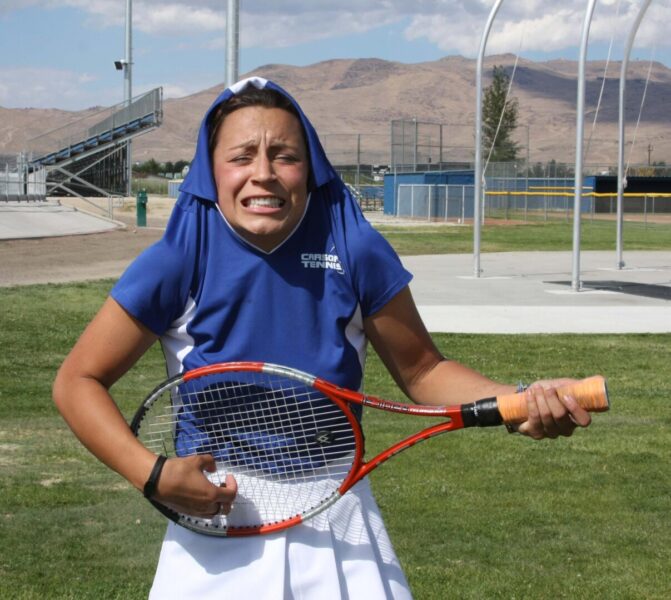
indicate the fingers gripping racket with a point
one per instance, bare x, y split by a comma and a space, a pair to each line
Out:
292, 441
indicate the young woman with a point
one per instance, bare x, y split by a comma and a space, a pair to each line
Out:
267, 257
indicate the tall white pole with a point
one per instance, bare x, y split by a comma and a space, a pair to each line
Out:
128, 87
580, 127
621, 179
478, 175
232, 41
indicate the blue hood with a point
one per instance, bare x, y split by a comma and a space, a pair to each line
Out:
200, 180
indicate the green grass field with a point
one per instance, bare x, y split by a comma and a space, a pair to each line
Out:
550, 236
473, 514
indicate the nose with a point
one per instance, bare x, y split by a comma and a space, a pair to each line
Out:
263, 169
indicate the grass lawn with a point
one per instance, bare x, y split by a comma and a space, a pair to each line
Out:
473, 514
550, 236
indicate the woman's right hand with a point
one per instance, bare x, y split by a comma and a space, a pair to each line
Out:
185, 488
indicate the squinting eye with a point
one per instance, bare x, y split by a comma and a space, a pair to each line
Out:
286, 158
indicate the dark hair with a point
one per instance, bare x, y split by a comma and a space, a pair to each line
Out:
251, 96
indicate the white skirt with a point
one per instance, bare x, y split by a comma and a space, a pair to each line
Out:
342, 553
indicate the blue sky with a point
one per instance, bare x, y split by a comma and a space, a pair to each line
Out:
60, 54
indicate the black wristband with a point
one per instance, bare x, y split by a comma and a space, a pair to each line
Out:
152, 483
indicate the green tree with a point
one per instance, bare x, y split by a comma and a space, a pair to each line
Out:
149, 167
495, 108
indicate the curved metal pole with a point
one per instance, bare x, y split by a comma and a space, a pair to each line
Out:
232, 41
621, 179
580, 127
478, 175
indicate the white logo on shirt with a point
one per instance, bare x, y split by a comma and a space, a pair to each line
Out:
313, 260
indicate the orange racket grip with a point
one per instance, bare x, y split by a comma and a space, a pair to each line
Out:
590, 393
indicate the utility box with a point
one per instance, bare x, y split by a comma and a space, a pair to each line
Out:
141, 208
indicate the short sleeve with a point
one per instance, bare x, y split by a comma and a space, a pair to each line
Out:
376, 270
155, 287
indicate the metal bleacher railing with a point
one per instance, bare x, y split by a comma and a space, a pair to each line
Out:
96, 131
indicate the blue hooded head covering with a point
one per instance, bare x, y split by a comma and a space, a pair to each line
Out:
213, 296
200, 180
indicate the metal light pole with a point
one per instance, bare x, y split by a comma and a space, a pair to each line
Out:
621, 179
580, 127
128, 87
232, 41
477, 171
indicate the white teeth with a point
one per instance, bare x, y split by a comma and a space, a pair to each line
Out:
265, 202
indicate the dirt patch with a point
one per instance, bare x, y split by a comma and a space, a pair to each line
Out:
71, 258
84, 257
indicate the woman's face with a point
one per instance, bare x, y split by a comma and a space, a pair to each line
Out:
261, 168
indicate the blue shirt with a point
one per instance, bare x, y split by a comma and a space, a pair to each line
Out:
212, 296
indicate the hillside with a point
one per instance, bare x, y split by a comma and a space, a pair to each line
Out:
350, 97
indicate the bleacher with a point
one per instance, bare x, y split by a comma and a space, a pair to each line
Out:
82, 138
86, 157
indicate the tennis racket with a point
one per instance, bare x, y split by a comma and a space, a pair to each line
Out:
292, 441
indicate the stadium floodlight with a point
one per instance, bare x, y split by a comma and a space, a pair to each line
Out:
232, 41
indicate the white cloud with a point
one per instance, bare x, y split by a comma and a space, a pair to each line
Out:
538, 26
285, 30
46, 88
168, 19
172, 90
173, 29
452, 25
153, 17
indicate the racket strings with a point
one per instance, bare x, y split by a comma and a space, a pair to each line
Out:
288, 446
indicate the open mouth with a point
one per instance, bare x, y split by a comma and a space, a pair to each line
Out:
265, 203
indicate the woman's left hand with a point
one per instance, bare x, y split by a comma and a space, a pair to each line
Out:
551, 414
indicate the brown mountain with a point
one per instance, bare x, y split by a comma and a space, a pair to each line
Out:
344, 98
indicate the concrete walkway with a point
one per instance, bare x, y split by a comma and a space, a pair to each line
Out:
21, 220
530, 292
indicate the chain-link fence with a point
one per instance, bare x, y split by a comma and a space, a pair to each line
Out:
447, 202
424, 146
552, 205
361, 160
435, 202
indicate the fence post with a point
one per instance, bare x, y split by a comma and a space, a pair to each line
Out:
428, 212
358, 160
397, 197
526, 205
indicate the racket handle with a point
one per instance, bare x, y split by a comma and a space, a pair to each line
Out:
590, 393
